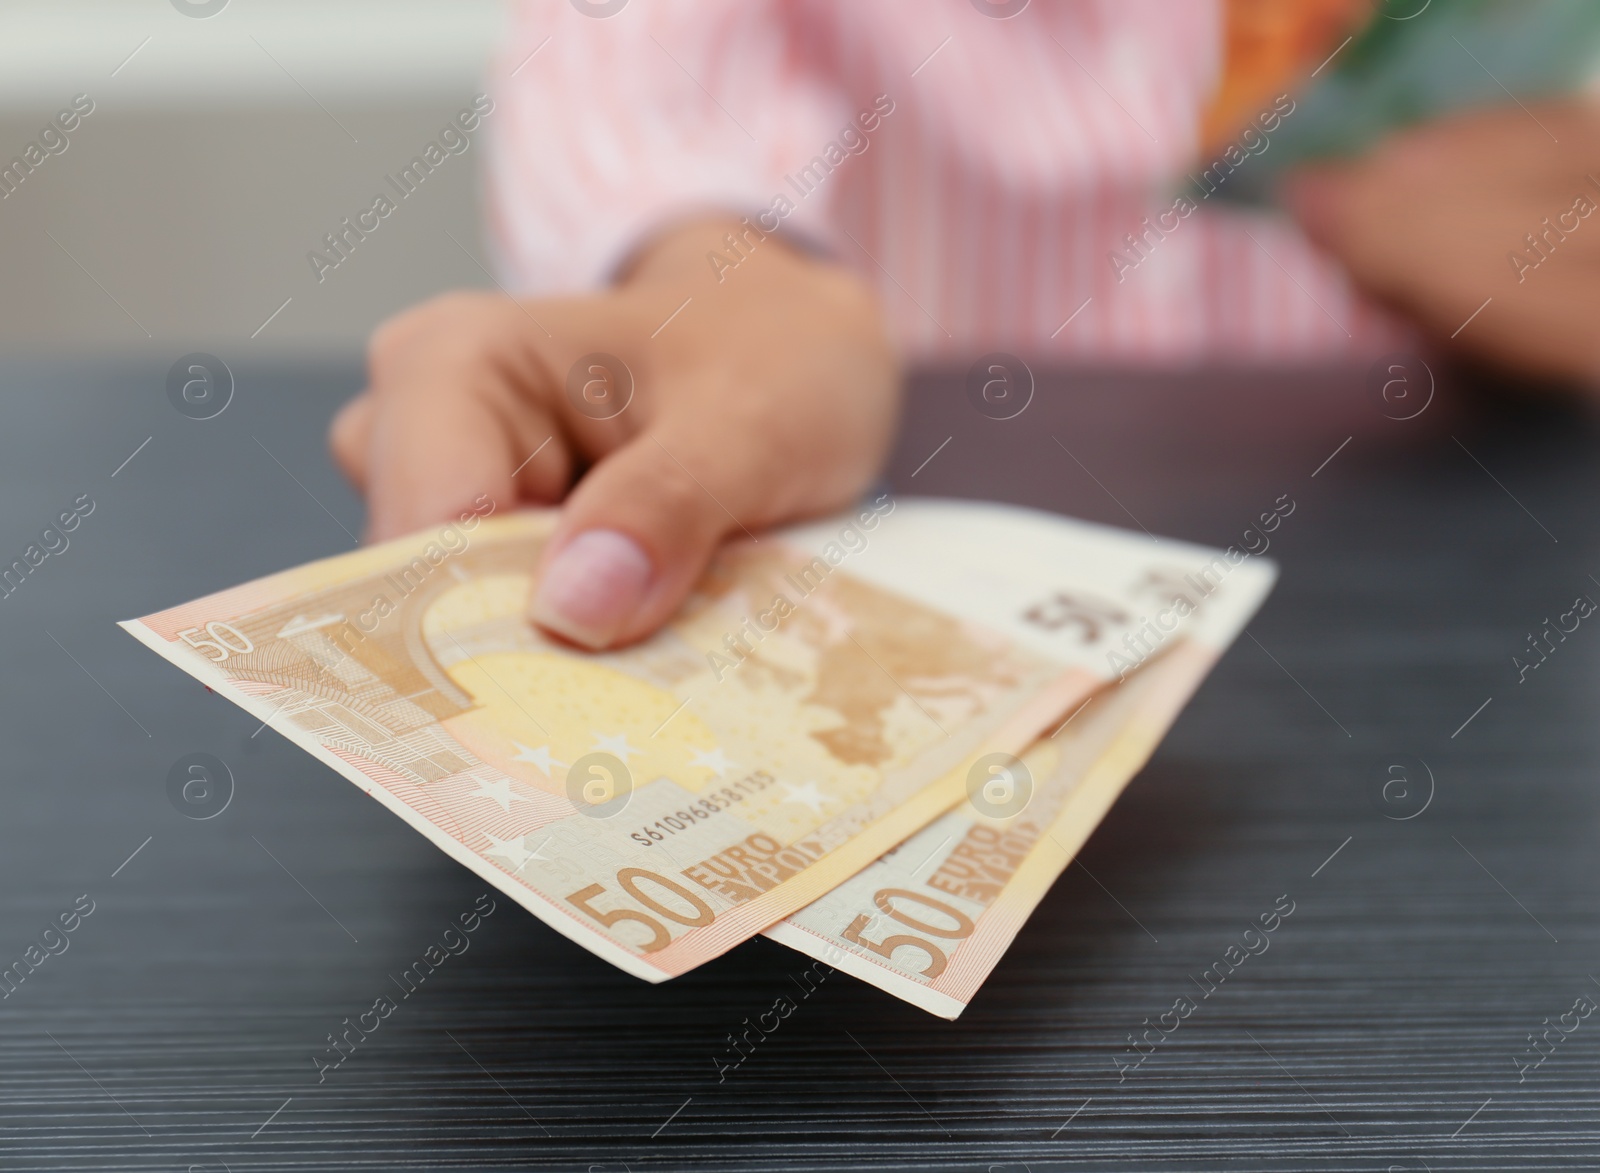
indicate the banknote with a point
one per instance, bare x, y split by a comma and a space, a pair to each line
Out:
818, 699
931, 919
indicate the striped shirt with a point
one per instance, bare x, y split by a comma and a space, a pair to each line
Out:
1033, 184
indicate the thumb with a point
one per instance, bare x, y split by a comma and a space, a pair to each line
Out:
638, 531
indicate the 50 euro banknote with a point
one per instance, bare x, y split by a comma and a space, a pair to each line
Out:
930, 920
816, 701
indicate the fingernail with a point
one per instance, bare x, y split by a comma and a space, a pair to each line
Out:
592, 589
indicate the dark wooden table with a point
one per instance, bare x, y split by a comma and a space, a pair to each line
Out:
1382, 1029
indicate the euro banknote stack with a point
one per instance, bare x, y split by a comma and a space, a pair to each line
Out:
878, 739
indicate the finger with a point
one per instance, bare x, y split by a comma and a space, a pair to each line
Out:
544, 458
348, 437
1549, 331
457, 415
638, 531
435, 455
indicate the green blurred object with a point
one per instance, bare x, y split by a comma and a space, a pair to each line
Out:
1419, 59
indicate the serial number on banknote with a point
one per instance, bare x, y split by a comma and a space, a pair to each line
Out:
703, 808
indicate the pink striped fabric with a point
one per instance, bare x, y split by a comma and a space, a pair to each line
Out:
1015, 158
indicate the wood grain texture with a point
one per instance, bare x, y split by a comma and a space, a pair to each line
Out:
1378, 1030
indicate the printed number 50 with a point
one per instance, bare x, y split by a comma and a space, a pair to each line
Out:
884, 899
629, 879
226, 640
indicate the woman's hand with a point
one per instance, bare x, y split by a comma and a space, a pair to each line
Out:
759, 395
1435, 219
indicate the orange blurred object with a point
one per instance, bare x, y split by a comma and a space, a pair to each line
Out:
1270, 46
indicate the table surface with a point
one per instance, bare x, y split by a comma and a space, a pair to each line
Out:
1386, 1027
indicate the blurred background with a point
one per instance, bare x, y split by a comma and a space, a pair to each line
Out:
220, 150
228, 137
